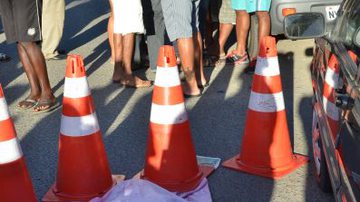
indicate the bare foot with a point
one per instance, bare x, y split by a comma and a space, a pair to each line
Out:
136, 82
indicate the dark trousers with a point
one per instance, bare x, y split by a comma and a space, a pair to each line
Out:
156, 35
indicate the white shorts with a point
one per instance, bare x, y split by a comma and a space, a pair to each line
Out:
128, 16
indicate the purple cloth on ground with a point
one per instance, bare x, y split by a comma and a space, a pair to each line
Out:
137, 190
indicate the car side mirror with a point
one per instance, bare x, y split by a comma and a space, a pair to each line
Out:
304, 25
356, 38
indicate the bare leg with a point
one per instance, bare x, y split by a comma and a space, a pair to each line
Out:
35, 90
264, 24
128, 52
186, 50
225, 31
33, 58
110, 30
118, 51
123, 65
242, 29
198, 58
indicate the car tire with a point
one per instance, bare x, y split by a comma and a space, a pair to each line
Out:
321, 170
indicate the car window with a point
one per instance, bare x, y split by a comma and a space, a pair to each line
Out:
347, 23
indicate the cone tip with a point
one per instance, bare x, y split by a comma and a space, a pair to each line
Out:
75, 66
166, 57
268, 47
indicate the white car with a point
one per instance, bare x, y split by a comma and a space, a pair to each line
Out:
278, 10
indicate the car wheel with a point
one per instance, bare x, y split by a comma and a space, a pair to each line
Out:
321, 170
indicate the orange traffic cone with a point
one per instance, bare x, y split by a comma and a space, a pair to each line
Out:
331, 83
170, 156
15, 182
266, 148
83, 169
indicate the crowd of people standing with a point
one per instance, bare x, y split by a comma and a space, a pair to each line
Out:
36, 26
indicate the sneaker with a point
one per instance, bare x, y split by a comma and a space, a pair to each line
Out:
236, 59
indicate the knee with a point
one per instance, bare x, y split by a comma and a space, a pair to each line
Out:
263, 15
26, 45
241, 13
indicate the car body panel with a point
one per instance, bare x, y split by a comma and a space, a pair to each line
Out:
342, 162
322, 6
341, 150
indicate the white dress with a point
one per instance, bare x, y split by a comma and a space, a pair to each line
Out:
128, 16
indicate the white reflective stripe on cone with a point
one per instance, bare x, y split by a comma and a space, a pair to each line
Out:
76, 87
10, 151
79, 126
167, 77
266, 102
267, 66
331, 78
330, 109
4, 111
168, 114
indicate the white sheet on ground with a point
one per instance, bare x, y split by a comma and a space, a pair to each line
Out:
137, 190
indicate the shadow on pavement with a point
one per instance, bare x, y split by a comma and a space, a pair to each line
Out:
221, 112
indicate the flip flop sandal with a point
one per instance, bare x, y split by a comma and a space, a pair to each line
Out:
192, 96
4, 57
235, 58
30, 103
52, 105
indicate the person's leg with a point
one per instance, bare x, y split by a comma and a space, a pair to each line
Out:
263, 30
198, 45
110, 30
198, 56
227, 19
118, 57
186, 50
128, 78
264, 24
53, 15
224, 33
128, 52
242, 29
29, 70
239, 55
179, 28
155, 30
33, 55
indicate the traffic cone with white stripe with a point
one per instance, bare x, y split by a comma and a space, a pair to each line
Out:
15, 182
83, 169
266, 148
170, 156
331, 83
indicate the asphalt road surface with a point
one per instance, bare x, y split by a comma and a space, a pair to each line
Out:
217, 118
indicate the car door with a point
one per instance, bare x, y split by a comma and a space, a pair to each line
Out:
348, 98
